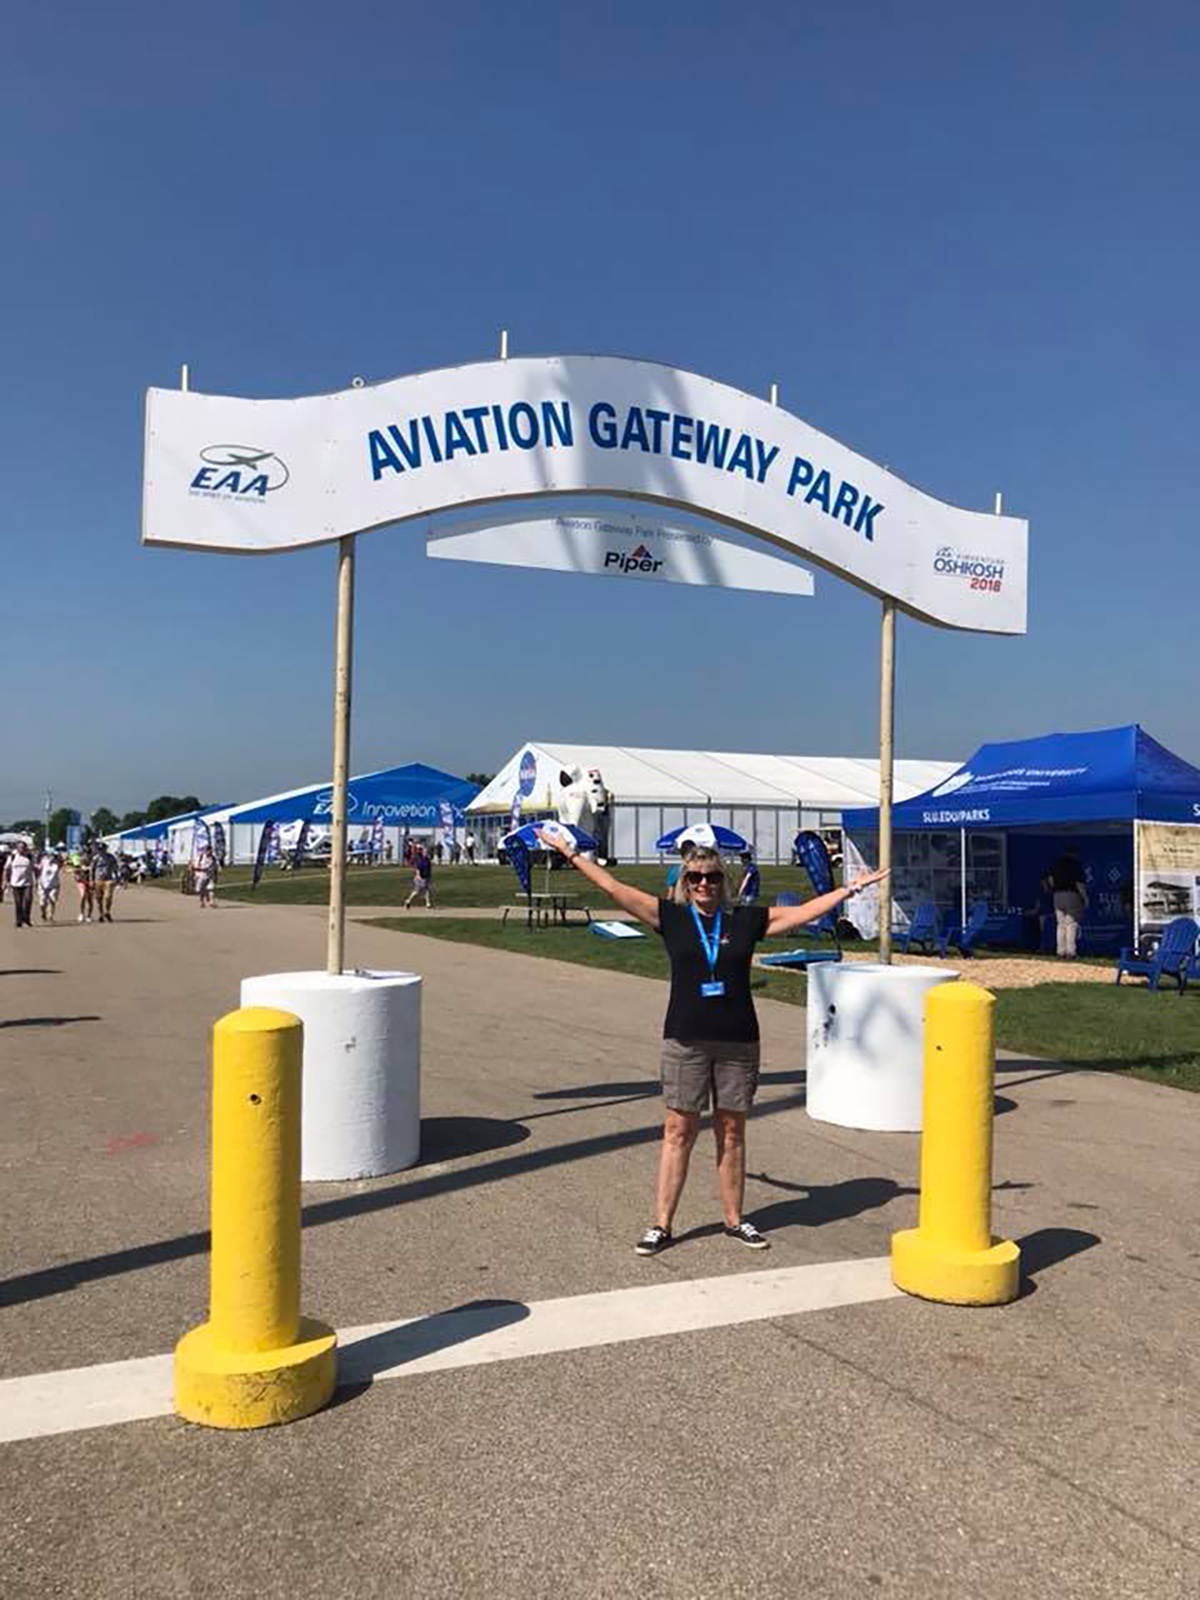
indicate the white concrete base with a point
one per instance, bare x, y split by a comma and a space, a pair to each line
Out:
866, 1043
362, 1067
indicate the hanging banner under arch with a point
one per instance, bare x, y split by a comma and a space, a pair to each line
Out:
624, 546
223, 473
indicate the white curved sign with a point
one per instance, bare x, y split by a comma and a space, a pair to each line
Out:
260, 475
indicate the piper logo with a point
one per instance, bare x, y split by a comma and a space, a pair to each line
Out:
639, 561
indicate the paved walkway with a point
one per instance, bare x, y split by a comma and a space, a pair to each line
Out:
886, 1446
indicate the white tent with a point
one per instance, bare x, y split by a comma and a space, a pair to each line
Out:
765, 798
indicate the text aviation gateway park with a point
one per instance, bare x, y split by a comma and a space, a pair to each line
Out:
428, 441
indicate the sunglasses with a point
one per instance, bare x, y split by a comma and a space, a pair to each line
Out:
697, 878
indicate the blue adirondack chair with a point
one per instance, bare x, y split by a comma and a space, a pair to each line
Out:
812, 930
966, 935
1174, 956
925, 927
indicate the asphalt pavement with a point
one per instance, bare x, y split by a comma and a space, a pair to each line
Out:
891, 1447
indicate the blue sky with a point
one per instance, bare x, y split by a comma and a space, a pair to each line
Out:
962, 240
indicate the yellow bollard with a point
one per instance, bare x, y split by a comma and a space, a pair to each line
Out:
951, 1255
256, 1361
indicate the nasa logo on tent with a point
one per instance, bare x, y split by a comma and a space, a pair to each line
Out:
960, 780
527, 774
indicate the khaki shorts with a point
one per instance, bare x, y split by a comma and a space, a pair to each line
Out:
701, 1070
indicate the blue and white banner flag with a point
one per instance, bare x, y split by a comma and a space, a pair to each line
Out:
446, 811
814, 858
266, 841
218, 842
377, 838
301, 842
201, 838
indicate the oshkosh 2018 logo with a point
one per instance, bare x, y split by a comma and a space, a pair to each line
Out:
239, 470
639, 561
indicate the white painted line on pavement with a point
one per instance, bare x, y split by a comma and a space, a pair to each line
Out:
130, 1391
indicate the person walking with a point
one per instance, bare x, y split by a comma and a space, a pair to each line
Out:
104, 882
82, 872
422, 877
1068, 882
710, 1048
751, 880
19, 876
49, 881
205, 877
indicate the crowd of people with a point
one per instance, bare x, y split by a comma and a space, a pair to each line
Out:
96, 872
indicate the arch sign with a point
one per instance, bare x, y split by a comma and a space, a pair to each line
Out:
223, 473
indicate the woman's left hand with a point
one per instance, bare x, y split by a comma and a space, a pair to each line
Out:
866, 879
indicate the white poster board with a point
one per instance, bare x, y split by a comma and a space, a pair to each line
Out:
1168, 872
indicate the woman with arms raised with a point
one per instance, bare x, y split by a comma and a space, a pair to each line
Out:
710, 1047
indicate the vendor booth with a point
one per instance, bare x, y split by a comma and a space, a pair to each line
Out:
408, 799
1124, 805
649, 793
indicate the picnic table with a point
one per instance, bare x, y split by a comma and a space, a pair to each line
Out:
548, 908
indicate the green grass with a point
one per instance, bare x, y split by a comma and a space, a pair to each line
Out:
1151, 1036
454, 886
644, 958
1125, 1029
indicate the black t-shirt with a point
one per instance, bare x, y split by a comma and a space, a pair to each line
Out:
1066, 874
729, 1017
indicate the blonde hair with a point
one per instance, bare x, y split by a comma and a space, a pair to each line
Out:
695, 861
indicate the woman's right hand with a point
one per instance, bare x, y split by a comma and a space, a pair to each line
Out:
562, 842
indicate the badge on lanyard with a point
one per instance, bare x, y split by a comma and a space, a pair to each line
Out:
714, 988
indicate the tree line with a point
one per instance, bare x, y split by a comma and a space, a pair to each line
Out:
103, 820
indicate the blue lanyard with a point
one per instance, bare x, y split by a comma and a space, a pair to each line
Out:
711, 945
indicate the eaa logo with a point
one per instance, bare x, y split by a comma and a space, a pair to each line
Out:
960, 780
239, 470
323, 804
640, 561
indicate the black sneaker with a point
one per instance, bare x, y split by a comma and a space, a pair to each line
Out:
652, 1241
746, 1233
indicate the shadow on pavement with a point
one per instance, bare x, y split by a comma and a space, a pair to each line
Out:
448, 1138
361, 1362
1049, 1246
823, 1202
598, 1091
644, 1088
31, 972
73, 1274
1061, 1069
45, 1022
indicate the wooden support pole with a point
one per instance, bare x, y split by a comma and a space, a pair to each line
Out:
887, 727
343, 657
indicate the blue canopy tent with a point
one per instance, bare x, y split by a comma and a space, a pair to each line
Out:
148, 832
408, 797
993, 828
